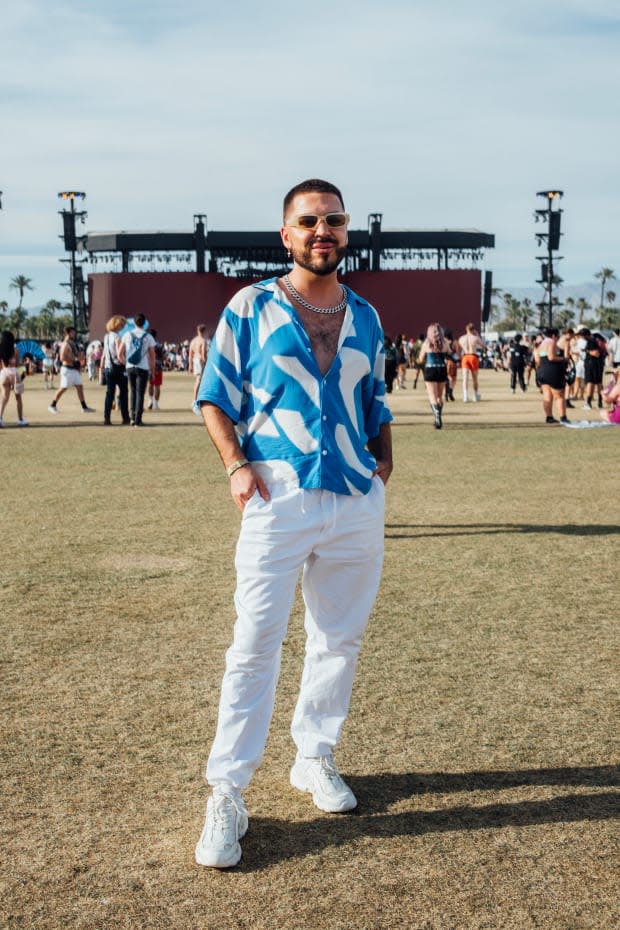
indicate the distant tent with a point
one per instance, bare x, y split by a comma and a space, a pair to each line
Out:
30, 347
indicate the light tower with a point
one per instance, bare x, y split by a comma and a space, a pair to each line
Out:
548, 278
73, 244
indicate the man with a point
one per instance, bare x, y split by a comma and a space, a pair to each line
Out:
157, 378
517, 354
137, 353
472, 347
69, 357
293, 398
198, 350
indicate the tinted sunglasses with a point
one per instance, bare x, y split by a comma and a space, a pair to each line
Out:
312, 220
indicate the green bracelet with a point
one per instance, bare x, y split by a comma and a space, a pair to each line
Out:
236, 466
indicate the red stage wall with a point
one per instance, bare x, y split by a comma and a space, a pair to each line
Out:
176, 302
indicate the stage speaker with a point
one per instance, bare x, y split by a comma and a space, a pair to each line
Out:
554, 230
486, 298
68, 229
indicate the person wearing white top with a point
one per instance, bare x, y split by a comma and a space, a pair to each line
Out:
139, 368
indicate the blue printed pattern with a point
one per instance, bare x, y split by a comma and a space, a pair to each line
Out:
303, 427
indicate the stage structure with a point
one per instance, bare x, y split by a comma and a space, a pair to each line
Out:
178, 279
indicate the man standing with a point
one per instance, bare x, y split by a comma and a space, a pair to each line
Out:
137, 353
69, 357
471, 347
293, 399
517, 354
198, 350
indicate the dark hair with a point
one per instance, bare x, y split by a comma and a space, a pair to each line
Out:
311, 186
70, 329
140, 320
7, 346
518, 337
551, 331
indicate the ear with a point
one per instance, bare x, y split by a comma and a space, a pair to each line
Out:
286, 238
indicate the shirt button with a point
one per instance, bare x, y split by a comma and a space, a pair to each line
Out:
324, 418
324, 451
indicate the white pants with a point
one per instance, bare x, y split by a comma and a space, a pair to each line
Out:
338, 541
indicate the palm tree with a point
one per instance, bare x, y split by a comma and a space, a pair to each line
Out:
526, 310
17, 318
605, 275
582, 306
4, 320
21, 283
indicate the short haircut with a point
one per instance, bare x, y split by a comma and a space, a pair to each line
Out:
202, 327
311, 186
140, 320
69, 329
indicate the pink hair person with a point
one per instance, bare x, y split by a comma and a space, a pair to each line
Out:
435, 337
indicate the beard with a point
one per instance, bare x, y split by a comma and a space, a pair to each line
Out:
321, 265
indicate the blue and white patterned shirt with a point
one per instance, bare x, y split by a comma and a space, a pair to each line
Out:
303, 427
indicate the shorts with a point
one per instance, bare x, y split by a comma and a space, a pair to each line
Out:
48, 364
470, 363
12, 377
157, 380
69, 377
197, 366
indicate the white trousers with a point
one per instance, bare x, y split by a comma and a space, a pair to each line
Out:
338, 542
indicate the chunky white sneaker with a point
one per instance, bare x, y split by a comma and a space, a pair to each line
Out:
88, 409
477, 397
22, 422
225, 824
196, 408
52, 409
320, 778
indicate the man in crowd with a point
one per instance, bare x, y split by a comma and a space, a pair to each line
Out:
69, 357
198, 350
293, 399
137, 353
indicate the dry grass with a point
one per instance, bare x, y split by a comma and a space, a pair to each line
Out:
482, 734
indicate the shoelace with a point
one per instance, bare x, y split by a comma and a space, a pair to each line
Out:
328, 768
225, 811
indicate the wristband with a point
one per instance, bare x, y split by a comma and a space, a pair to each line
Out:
236, 466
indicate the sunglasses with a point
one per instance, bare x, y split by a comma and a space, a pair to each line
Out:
312, 220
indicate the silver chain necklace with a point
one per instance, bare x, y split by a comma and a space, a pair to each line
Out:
295, 293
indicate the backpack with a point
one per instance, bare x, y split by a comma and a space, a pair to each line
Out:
134, 354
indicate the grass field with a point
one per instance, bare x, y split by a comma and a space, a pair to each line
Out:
482, 739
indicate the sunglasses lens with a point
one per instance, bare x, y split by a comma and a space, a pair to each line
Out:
336, 219
308, 221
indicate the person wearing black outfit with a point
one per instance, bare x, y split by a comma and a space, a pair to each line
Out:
517, 357
390, 364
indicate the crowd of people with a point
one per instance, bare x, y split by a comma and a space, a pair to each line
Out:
568, 368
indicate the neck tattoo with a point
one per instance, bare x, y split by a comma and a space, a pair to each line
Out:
308, 306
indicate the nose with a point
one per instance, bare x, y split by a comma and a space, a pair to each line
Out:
322, 228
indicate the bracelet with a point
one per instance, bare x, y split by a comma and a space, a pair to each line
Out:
236, 466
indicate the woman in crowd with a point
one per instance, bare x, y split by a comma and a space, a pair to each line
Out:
551, 375
114, 371
10, 377
433, 354
452, 364
611, 399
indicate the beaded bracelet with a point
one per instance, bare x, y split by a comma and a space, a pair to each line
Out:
236, 466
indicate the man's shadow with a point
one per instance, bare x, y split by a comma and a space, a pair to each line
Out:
270, 841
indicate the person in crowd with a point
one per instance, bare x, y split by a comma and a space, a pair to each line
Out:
113, 371
593, 369
611, 399
11, 378
136, 352
157, 379
565, 345
433, 354
47, 364
472, 347
93, 358
417, 367
293, 397
551, 375
390, 364
517, 355
401, 362
71, 365
198, 351
452, 364
613, 350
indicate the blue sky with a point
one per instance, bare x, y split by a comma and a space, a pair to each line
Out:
438, 114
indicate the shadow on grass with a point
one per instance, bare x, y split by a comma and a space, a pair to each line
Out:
271, 841
498, 529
